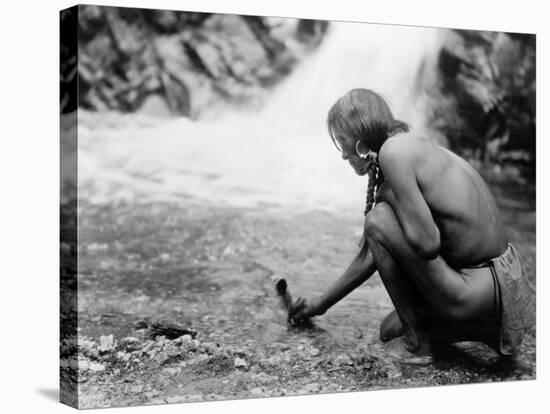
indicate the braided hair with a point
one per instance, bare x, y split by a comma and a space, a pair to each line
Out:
376, 178
364, 115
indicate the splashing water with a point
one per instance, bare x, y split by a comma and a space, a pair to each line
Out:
280, 155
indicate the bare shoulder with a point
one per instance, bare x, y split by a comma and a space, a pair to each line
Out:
406, 148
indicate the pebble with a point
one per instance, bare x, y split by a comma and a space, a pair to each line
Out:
83, 365
343, 359
96, 367
106, 342
141, 325
64, 363
123, 356
314, 352
240, 363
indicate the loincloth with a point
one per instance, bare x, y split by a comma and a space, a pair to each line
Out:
516, 301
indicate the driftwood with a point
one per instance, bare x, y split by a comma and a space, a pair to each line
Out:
169, 330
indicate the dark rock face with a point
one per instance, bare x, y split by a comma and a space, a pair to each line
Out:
184, 61
487, 95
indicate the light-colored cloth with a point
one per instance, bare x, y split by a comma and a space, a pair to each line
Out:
517, 300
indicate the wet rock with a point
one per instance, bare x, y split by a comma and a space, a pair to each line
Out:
141, 325
169, 330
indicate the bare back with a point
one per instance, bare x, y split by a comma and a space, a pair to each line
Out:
460, 202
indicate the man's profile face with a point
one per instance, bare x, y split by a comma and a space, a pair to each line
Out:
347, 147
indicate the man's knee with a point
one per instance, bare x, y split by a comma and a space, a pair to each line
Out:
379, 220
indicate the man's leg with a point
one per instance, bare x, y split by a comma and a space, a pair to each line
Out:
448, 294
405, 297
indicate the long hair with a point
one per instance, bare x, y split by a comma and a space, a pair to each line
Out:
363, 115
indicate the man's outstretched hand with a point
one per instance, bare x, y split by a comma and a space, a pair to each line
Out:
302, 311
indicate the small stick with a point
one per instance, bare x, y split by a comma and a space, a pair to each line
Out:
282, 290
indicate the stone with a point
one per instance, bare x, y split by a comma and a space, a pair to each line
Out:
97, 367
314, 352
83, 365
106, 343
141, 325
240, 363
123, 356
343, 359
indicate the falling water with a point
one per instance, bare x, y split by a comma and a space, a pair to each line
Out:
280, 155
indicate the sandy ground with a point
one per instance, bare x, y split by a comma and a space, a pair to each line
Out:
210, 269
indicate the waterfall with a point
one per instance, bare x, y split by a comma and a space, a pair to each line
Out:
279, 155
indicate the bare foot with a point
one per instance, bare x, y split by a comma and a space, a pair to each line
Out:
391, 327
399, 349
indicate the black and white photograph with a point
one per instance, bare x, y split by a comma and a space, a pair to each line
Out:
257, 206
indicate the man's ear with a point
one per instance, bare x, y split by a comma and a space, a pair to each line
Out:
362, 147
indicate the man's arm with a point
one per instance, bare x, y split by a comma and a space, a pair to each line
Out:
400, 159
359, 271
